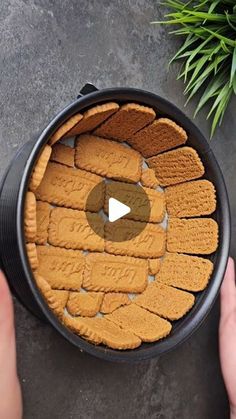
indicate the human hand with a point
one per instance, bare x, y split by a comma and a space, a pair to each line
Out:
11, 402
227, 334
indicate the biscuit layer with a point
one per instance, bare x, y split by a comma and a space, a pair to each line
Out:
149, 243
147, 326
191, 199
167, 302
62, 268
70, 229
104, 272
63, 154
191, 273
130, 118
40, 168
100, 330
93, 117
42, 217
177, 166
194, 236
162, 135
107, 158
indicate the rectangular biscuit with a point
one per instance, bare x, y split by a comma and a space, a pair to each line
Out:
64, 128
70, 229
147, 326
68, 187
32, 255
194, 236
148, 178
162, 135
100, 330
40, 168
86, 304
56, 299
191, 199
43, 210
63, 269
146, 204
93, 117
191, 273
149, 242
105, 272
107, 158
63, 154
113, 300
30, 225
154, 266
177, 166
130, 118
167, 302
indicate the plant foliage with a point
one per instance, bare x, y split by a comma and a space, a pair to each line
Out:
208, 51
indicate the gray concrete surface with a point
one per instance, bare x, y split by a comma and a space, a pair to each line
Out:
48, 50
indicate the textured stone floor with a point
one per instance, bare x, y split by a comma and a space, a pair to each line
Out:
48, 50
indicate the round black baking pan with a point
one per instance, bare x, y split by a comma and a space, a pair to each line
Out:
13, 258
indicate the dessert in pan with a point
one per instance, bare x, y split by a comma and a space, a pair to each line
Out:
123, 283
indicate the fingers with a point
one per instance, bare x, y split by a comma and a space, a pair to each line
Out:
228, 290
6, 309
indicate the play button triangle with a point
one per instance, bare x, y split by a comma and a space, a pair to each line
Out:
116, 209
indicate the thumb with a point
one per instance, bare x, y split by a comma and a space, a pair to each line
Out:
7, 329
228, 290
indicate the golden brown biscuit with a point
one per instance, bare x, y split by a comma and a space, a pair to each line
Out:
191, 199
165, 301
30, 217
43, 210
190, 273
62, 268
162, 135
93, 117
154, 266
70, 188
177, 166
32, 255
70, 229
40, 168
114, 300
100, 330
147, 326
56, 299
107, 158
196, 236
66, 127
105, 272
148, 178
63, 154
84, 303
149, 243
146, 204
130, 118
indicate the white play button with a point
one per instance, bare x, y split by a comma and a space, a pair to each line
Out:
116, 209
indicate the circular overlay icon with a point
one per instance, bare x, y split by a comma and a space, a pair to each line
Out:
124, 214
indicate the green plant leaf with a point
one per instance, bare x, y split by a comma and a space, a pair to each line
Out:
211, 90
195, 89
195, 52
205, 73
233, 67
227, 41
201, 62
189, 41
220, 112
208, 53
234, 84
